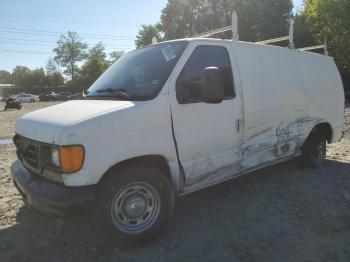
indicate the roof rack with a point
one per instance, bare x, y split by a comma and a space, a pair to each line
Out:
290, 37
273, 40
233, 27
214, 32
317, 47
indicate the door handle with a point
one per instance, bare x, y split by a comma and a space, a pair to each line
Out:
238, 125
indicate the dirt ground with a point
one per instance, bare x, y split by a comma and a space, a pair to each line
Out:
8, 118
279, 213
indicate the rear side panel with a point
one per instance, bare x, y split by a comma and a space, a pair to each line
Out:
323, 90
286, 93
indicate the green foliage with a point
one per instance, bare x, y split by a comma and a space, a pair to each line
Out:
51, 67
20, 76
145, 35
303, 35
95, 65
115, 55
54, 77
331, 19
25, 78
5, 77
69, 51
257, 20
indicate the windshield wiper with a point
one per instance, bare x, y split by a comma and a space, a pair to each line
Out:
116, 92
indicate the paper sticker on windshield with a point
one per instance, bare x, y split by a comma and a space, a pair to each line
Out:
168, 53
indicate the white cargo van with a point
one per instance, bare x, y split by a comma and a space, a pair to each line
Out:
170, 119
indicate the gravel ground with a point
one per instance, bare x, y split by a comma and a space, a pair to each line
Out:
8, 118
279, 213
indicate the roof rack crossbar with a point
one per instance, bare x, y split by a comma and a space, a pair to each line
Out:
316, 47
309, 48
273, 40
214, 32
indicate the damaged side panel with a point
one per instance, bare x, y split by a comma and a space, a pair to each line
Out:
283, 140
265, 146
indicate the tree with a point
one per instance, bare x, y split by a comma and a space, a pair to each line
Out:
20, 76
24, 77
257, 20
146, 34
95, 65
178, 18
69, 51
115, 55
5, 77
36, 78
54, 77
303, 35
331, 19
51, 67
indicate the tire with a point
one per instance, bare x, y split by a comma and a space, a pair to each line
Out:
5, 108
19, 107
32, 100
135, 204
313, 152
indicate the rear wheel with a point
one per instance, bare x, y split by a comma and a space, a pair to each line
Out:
314, 150
136, 204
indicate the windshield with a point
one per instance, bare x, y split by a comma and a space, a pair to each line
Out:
139, 75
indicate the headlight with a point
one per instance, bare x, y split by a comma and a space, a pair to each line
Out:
71, 158
64, 159
55, 157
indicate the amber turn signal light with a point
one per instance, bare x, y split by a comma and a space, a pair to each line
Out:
71, 158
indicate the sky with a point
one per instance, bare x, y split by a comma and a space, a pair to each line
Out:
30, 29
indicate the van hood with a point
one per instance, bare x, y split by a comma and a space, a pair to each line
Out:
47, 124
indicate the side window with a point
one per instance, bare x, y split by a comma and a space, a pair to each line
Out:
202, 57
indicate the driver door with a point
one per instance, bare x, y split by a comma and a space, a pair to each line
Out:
208, 136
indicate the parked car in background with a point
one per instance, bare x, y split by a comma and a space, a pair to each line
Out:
48, 97
26, 98
63, 96
77, 96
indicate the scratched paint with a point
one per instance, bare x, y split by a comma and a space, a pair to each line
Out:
281, 141
271, 145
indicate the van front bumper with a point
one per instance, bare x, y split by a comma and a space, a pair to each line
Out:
49, 198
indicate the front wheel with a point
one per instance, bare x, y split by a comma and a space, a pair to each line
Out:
136, 203
313, 152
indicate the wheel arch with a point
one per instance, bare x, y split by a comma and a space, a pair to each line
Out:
325, 129
158, 161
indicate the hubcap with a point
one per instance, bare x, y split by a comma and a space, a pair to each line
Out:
135, 208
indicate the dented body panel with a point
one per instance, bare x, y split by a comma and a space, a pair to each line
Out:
280, 96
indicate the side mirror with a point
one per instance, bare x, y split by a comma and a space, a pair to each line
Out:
212, 83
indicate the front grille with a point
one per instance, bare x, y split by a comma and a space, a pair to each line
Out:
31, 156
29, 152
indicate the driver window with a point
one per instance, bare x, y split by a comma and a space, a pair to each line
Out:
202, 57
